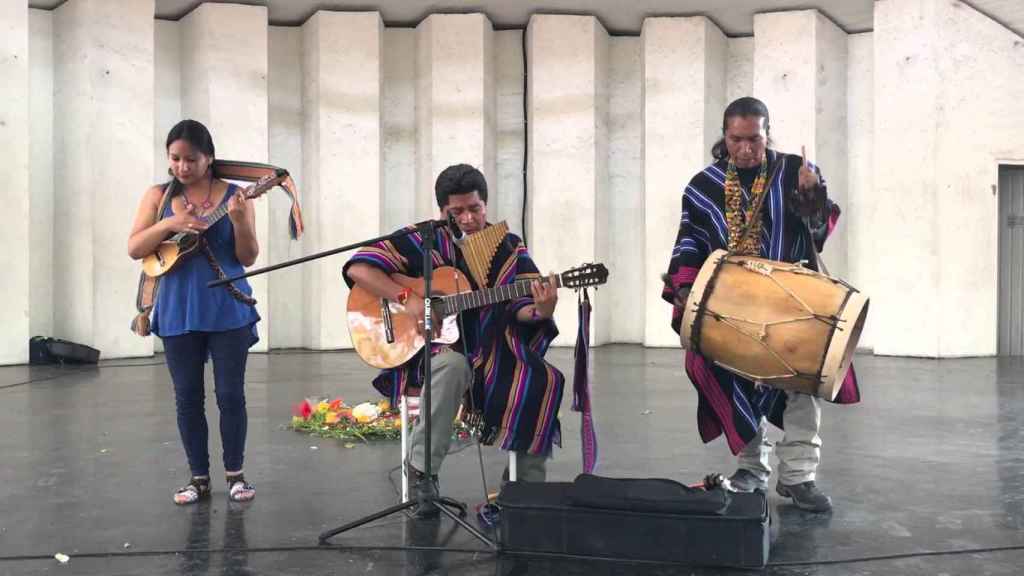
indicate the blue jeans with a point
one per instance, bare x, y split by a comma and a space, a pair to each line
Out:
186, 358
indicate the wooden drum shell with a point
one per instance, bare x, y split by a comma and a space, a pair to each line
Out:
775, 323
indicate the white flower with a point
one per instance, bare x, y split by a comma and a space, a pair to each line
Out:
365, 412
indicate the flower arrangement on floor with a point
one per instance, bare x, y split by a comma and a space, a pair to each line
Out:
335, 419
366, 421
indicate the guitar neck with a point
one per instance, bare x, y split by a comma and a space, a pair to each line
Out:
479, 298
210, 219
217, 214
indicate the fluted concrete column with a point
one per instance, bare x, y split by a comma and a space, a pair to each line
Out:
15, 301
684, 65
568, 152
342, 154
739, 69
454, 100
510, 135
285, 103
103, 126
800, 74
41, 170
625, 298
399, 124
861, 210
224, 81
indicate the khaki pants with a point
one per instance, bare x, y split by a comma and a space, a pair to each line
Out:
451, 376
799, 451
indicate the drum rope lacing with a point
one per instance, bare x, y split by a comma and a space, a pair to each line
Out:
761, 336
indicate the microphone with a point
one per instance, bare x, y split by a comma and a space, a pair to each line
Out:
453, 227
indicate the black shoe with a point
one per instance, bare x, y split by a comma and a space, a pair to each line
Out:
424, 491
743, 480
806, 496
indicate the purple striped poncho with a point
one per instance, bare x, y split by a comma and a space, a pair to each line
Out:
517, 391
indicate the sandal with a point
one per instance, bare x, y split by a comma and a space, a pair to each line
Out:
239, 490
197, 489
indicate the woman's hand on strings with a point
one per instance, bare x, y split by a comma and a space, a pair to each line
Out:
238, 205
186, 221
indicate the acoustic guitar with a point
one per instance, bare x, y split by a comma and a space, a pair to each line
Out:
385, 337
179, 246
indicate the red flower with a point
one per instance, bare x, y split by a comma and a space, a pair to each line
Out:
336, 405
304, 410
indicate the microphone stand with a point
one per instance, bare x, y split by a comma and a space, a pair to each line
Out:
426, 230
393, 236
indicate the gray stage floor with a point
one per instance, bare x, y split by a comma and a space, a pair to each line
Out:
931, 461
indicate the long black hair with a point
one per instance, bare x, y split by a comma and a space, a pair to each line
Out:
745, 106
194, 133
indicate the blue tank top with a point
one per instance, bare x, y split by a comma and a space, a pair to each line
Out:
184, 303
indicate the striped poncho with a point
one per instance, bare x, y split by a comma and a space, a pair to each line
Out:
729, 404
517, 391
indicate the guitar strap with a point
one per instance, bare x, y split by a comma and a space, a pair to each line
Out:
253, 171
229, 170
231, 288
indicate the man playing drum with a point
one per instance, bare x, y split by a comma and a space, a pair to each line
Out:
795, 218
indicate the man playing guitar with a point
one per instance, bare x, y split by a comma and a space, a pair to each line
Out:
499, 356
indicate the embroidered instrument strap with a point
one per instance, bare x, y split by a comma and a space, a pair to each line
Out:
253, 171
581, 386
230, 287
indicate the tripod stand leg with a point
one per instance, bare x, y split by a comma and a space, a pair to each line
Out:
453, 503
365, 520
443, 506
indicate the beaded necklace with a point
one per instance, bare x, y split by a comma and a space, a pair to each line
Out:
207, 204
738, 219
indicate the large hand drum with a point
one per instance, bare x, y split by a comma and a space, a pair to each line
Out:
775, 323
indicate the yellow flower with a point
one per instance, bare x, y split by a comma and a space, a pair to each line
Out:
384, 405
322, 407
332, 418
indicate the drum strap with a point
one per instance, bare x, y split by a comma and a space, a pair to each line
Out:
818, 260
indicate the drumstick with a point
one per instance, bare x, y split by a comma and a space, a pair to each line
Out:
671, 287
668, 282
